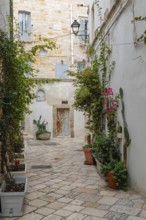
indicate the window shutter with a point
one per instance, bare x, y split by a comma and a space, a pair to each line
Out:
61, 70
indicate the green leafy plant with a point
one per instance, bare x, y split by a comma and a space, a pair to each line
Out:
106, 149
87, 146
120, 173
41, 126
16, 92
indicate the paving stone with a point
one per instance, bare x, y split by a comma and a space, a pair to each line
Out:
124, 209
77, 202
54, 217
56, 205
108, 200
107, 193
104, 207
48, 198
63, 213
116, 216
135, 218
74, 208
47, 190
72, 195
91, 204
65, 200
88, 197
85, 190
62, 192
94, 218
55, 195
28, 209
31, 216
94, 212
76, 216
34, 195
125, 202
38, 203
143, 214
39, 186
45, 211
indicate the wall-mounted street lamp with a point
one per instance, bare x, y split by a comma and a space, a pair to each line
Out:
75, 29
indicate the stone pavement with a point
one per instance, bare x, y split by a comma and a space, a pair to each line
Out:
61, 187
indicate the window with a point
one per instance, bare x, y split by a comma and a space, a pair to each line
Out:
24, 20
61, 70
81, 66
43, 53
40, 95
83, 29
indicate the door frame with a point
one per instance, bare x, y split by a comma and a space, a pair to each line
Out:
71, 119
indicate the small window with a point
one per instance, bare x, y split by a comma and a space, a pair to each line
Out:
61, 70
40, 95
24, 20
83, 29
81, 66
43, 53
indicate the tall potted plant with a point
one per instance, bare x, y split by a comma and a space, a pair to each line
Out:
41, 133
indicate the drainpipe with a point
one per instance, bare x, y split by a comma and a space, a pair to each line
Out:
11, 16
71, 36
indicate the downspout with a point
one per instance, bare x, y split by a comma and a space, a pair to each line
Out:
11, 16
71, 36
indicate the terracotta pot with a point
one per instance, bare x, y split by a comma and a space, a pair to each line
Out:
88, 155
111, 182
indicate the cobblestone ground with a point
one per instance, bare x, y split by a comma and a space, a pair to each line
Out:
70, 190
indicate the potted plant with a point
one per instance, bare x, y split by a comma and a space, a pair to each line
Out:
116, 173
41, 133
87, 149
106, 150
88, 138
12, 195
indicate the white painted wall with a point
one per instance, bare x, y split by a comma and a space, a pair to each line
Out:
130, 74
55, 94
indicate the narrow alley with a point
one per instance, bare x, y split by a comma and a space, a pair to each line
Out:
61, 187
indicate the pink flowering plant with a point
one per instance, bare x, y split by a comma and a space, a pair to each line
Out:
111, 102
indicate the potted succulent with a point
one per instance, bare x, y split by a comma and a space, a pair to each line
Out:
41, 133
116, 173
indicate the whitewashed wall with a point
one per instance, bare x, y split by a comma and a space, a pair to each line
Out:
130, 75
55, 94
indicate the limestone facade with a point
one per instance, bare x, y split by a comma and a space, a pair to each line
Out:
52, 20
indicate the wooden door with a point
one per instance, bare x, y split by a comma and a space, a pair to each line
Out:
62, 122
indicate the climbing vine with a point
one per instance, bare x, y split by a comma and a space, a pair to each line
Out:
143, 36
15, 89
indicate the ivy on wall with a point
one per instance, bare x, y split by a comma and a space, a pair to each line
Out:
15, 88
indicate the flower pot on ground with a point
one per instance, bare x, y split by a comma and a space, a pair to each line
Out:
116, 173
12, 197
88, 154
41, 133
